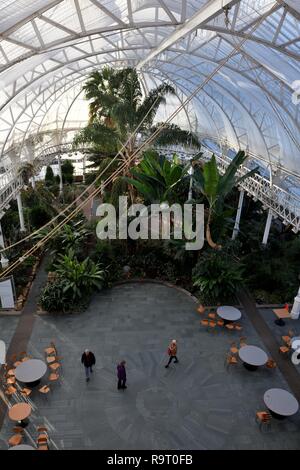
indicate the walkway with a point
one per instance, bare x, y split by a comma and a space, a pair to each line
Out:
25, 322
196, 404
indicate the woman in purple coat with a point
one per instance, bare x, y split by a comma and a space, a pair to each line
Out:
121, 375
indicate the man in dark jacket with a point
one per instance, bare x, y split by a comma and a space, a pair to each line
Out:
88, 360
121, 375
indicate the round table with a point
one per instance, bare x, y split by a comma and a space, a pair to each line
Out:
20, 412
281, 403
30, 372
22, 447
252, 357
295, 342
228, 313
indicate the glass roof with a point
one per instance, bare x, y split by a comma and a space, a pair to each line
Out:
47, 49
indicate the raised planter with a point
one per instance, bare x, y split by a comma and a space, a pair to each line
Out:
23, 296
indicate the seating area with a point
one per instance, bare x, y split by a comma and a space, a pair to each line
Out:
219, 403
19, 393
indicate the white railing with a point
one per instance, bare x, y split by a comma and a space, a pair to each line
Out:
283, 204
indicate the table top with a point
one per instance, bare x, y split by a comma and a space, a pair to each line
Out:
281, 402
281, 313
22, 447
253, 355
229, 313
2, 352
19, 411
295, 342
31, 371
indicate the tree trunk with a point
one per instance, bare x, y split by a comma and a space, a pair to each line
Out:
209, 239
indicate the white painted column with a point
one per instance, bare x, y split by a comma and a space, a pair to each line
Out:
61, 186
238, 215
267, 228
4, 261
191, 172
295, 312
33, 182
21, 214
83, 168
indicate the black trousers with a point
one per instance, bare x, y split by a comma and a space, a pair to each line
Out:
121, 383
172, 357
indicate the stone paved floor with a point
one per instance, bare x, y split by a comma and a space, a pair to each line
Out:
279, 331
196, 404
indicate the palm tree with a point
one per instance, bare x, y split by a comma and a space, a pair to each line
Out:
27, 170
216, 187
117, 108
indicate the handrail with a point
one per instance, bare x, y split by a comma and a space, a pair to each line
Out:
282, 203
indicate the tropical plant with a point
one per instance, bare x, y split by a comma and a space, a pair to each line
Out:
71, 236
217, 276
80, 277
67, 170
117, 108
55, 297
49, 176
156, 177
216, 187
27, 170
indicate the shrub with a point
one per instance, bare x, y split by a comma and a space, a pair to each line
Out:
54, 298
80, 277
49, 176
67, 170
217, 276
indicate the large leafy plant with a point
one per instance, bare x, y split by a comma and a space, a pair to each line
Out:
216, 187
80, 277
217, 276
156, 177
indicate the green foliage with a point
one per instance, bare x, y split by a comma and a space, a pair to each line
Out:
217, 276
155, 177
275, 268
80, 277
117, 108
49, 176
215, 186
67, 170
39, 216
55, 298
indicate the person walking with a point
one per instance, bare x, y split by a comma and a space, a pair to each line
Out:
88, 360
121, 372
172, 351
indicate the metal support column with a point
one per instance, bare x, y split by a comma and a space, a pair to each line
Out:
296, 307
4, 261
267, 228
61, 186
21, 214
238, 215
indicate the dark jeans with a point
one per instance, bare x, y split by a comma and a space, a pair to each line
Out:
172, 357
121, 383
87, 371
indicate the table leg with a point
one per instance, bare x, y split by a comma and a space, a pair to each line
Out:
279, 322
249, 366
277, 416
24, 423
